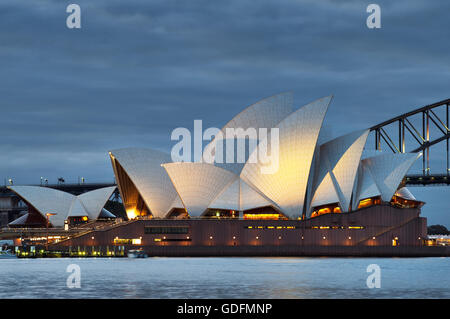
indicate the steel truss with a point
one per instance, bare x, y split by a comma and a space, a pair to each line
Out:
421, 136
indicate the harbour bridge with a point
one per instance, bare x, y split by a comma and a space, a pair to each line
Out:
418, 131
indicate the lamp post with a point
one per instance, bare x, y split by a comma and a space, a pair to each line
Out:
48, 219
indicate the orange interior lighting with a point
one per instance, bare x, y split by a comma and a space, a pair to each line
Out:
262, 216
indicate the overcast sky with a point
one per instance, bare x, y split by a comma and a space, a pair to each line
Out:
138, 69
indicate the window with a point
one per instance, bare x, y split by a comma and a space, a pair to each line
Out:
166, 230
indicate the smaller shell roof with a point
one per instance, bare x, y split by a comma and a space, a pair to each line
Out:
63, 205
405, 193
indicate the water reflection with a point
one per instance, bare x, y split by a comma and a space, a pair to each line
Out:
226, 278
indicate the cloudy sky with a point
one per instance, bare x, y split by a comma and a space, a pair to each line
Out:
138, 69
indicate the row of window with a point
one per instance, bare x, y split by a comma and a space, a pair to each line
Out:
166, 230
301, 227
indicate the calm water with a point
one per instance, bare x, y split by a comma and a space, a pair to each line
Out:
226, 278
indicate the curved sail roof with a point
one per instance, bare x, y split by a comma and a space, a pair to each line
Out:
198, 184
387, 172
340, 159
405, 193
228, 198
251, 198
77, 209
366, 186
304, 174
47, 200
325, 192
143, 166
95, 200
235, 153
298, 135
266, 113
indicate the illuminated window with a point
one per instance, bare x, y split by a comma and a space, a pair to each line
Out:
271, 227
166, 229
262, 216
128, 241
395, 241
131, 213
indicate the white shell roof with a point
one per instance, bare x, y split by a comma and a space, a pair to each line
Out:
229, 198
297, 142
339, 159
198, 184
64, 205
95, 200
371, 153
366, 186
266, 113
106, 214
325, 193
177, 203
251, 198
77, 209
329, 173
388, 170
230, 160
143, 166
405, 193
47, 200
20, 221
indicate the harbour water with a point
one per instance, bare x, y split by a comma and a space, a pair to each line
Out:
225, 278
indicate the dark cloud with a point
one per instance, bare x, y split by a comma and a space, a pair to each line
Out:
138, 69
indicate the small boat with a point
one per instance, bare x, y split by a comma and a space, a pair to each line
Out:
137, 253
6, 254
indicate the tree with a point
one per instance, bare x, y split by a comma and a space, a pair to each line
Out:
438, 230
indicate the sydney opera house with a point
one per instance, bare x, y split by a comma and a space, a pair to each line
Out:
324, 197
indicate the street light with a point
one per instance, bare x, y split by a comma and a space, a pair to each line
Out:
48, 219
